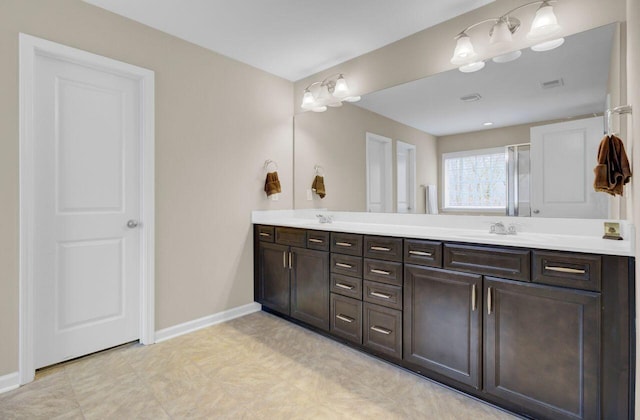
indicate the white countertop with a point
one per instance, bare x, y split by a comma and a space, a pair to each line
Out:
577, 235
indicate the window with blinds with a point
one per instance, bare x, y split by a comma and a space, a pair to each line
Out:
475, 180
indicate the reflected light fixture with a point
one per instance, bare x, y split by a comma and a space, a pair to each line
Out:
330, 92
543, 29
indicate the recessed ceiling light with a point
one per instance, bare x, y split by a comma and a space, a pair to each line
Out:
487, 124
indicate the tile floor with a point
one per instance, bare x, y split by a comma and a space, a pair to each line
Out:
254, 367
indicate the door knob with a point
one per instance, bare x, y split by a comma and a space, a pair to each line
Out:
536, 211
132, 224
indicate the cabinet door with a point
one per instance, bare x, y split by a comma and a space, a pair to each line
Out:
310, 287
442, 322
273, 277
542, 348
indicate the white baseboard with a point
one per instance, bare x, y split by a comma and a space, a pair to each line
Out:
207, 321
9, 382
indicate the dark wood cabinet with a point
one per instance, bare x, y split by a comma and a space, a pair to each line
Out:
310, 287
443, 322
545, 334
542, 348
273, 277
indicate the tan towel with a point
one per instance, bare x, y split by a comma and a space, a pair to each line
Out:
318, 186
272, 184
612, 171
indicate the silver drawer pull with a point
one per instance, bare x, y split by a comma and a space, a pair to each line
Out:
344, 265
345, 318
381, 330
564, 269
380, 248
316, 241
380, 295
343, 244
384, 273
344, 286
421, 253
264, 234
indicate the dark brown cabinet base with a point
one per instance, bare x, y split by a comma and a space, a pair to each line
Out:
551, 338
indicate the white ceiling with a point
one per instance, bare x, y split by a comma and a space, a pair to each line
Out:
292, 39
511, 92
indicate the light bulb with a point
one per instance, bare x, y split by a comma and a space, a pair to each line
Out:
505, 58
548, 45
341, 88
308, 101
500, 34
545, 23
471, 67
464, 51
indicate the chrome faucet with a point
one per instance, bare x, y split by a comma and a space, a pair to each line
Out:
500, 229
324, 219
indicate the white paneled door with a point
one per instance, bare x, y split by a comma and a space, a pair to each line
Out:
379, 167
86, 233
563, 156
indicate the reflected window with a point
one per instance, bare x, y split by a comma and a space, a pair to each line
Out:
475, 180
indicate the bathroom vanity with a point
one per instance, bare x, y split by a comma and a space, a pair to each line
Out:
544, 330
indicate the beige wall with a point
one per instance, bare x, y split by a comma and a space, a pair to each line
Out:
428, 52
335, 140
216, 122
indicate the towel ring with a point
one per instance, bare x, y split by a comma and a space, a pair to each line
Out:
270, 163
319, 170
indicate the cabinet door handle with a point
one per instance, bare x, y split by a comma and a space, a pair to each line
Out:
489, 302
381, 330
380, 248
316, 241
290, 258
383, 272
473, 298
343, 244
264, 234
380, 295
344, 286
344, 265
345, 318
284, 259
420, 253
564, 269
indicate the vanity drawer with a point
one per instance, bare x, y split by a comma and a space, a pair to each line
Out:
346, 243
346, 286
347, 265
383, 294
382, 329
500, 262
420, 252
567, 269
317, 239
291, 236
346, 318
383, 271
383, 248
266, 233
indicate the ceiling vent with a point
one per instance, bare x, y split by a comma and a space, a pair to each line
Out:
471, 98
552, 84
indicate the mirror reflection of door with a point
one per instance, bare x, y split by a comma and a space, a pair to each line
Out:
379, 174
563, 156
406, 177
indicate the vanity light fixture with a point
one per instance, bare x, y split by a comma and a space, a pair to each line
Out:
332, 91
543, 28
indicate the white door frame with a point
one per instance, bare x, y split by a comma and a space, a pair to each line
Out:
31, 46
410, 149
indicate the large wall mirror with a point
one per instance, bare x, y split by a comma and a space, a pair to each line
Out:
517, 138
